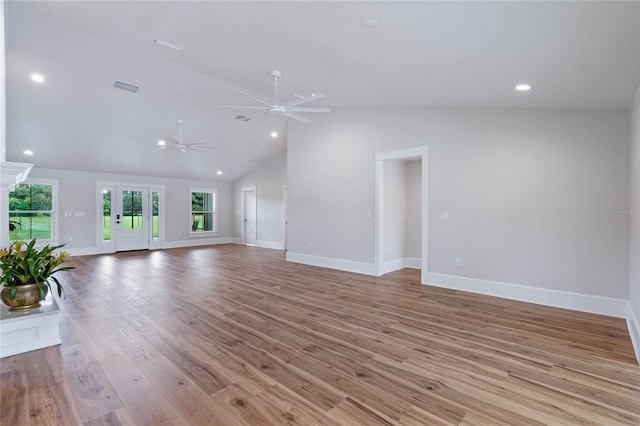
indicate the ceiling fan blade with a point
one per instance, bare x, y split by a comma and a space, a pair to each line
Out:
176, 139
308, 109
245, 107
252, 97
304, 100
195, 148
189, 145
296, 116
256, 115
196, 143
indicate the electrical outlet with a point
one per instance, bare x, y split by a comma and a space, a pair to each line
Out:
458, 261
444, 216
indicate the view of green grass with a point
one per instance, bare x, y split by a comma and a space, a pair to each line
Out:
29, 227
129, 222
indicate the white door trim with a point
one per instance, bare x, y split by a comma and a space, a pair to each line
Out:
109, 247
242, 225
285, 196
416, 152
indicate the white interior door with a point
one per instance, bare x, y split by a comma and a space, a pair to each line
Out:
249, 213
286, 216
132, 218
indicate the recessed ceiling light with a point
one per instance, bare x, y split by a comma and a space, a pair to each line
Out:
162, 143
274, 134
38, 78
219, 172
28, 152
523, 87
371, 23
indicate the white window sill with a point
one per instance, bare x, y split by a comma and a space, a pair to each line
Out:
41, 242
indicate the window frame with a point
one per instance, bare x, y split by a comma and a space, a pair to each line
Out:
54, 183
214, 212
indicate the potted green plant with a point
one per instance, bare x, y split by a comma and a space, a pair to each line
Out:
27, 273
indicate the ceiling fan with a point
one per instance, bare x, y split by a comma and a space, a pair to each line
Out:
289, 109
182, 146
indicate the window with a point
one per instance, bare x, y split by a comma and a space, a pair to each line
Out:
31, 211
203, 210
132, 210
106, 215
155, 226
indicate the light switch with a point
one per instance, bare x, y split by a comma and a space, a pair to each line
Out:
444, 216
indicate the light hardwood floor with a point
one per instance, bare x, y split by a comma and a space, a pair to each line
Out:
233, 335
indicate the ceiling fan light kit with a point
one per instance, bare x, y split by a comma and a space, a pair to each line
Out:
289, 109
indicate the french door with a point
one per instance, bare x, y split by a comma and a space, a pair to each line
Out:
132, 218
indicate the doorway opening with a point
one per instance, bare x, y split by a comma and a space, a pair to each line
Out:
286, 220
401, 213
129, 217
249, 216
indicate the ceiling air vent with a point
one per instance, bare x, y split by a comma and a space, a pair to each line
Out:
126, 86
260, 158
242, 117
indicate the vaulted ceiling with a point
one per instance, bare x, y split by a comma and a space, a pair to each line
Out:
582, 55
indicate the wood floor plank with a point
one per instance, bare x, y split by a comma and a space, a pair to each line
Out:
184, 394
14, 392
52, 405
142, 399
352, 412
92, 392
235, 335
50, 398
237, 407
279, 406
120, 417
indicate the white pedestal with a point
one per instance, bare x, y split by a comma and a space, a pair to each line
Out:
29, 329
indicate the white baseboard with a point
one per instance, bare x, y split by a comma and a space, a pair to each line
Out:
197, 242
411, 262
542, 296
81, 251
634, 330
275, 245
85, 251
331, 263
406, 262
270, 244
391, 265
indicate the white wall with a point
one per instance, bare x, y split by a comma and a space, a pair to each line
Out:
3, 91
634, 213
77, 193
395, 210
414, 188
269, 179
526, 191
